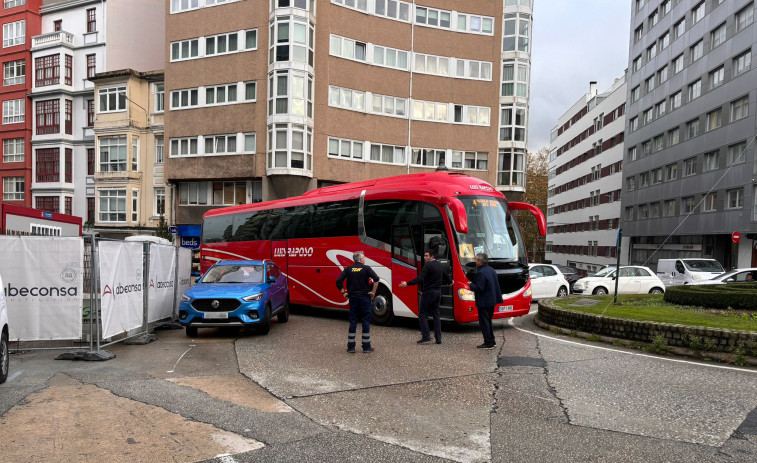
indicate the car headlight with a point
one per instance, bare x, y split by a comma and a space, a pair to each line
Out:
466, 294
697, 277
527, 293
185, 298
253, 297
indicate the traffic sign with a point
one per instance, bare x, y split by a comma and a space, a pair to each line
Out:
173, 230
736, 237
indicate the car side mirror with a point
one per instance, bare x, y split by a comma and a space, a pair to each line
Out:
197, 280
271, 280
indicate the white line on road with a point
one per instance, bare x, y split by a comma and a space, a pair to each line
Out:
226, 458
510, 322
182, 356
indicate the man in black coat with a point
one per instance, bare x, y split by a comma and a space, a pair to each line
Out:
360, 295
488, 295
432, 278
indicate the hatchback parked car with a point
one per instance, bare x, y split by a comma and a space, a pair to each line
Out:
739, 275
632, 280
236, 293
4, 336
572, 274
547, 281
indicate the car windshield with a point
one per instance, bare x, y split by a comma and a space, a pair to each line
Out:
704, 265
234, 273
492, 230
725, 275
604, 272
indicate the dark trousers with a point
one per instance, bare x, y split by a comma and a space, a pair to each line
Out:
430, 301
485, 315
360, 309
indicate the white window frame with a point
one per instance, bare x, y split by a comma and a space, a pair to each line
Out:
744, 17
111, 163
220, 145
112, 197
11, 151
135, 205
735, 199
717, 36
191, 46
697, 13
245, 86
185, 95
216, 92
114, 96
135, 154
737, 153
697, 50
742, 63
13, 188
13, 111
14, 33
709, 204
13, 3
14, 72
158, 194
159, 150
740, 108
159, 89
253, 141
183, 147
342, 148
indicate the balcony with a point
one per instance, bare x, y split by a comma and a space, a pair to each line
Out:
52, 39
121, 176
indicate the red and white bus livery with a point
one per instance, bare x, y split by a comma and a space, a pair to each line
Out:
393, 220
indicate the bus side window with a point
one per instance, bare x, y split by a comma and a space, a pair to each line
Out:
402, 245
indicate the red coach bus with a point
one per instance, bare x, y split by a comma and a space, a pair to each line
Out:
393, 220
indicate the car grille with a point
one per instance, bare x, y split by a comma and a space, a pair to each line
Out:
224, 305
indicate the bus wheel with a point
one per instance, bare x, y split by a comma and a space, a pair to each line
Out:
382, 313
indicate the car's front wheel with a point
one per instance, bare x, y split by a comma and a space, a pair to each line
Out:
264, 325
562, 292
4, 358
656, 291
283, 315
600, 291
192, 331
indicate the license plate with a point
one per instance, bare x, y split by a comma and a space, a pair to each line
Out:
216, 315
505, 308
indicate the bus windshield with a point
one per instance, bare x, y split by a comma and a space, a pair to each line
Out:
491, 230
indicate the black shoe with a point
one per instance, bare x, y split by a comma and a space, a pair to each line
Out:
486, 346
351, 350
438, 341
424, 341
368, 350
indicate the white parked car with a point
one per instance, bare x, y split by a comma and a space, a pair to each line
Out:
4, 351
633, 280
739, 275
547, 281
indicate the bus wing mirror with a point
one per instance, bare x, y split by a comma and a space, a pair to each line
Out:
459, 215
540, 220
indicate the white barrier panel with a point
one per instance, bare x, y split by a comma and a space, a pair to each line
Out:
185, 272
43, 286
121, 286
160, 291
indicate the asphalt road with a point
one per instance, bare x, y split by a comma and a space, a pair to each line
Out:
297, 395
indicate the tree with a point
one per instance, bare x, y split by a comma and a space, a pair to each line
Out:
162, 230
537, 186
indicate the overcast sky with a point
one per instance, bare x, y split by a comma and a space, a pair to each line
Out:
574, 42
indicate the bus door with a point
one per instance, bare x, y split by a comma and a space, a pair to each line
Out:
404, 267
434, 237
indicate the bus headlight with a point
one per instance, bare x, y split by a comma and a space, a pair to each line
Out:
527, 293
466, 294
253, 297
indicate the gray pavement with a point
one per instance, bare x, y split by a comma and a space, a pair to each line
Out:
297, 395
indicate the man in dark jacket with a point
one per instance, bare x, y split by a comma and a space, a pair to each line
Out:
488, 295
360, 295
431, 279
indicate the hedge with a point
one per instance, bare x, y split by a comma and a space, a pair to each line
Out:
737, 296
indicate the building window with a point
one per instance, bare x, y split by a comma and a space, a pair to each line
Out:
664, 41
470, 160
160, 201
669, 208
736, 198
13, 150
112, 205
158, 150
736, 153
665, 7
646, 147
643, 211
387, 153
112, 99
14, 33
630, 183
135, 206
68, 205
711, 161
346, 148
675, 100
14, 72
629, 213
740, 108
58, 25
692, 128
13, 3
671, 172
714, 119
91, 20
697, 50
47, 70
648, 113
674, 136
13, 188
160, 97
742, 63
680, 27
635, 94
744, 17
695, 89
512, 122
48, 165
187, 98
643, 179
662, 74
659, 143
193, 193
661, 108
90, 113
651, 52
91, 65
717, 36
511, 167
654, 210
678, 64
649, 83
91, 210
517, 31
69, 165
290, 92
47, 203
48, 117
113, 154
186, 49
183, 147
633, 124
632, 153
687, 204
69, 123
90, 161
428, 157
657, 176
514, 78
221, 94
716, 77
250, 143
638, 33
291, 39
69, 62
636, 65
220, 144
697, 13
134, 154
689, 167
710, 202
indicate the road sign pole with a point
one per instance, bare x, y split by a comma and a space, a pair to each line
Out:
617, 264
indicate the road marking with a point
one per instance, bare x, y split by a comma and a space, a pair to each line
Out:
723, 367
14, 376
182, 356
226, 458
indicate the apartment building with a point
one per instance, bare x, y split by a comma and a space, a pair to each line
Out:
79, 39
585, 180
128, 173
20, 20
270, 99
690, 154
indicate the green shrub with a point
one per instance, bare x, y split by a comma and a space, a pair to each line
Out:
734, 296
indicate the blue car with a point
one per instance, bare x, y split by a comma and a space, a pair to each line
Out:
236, 293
